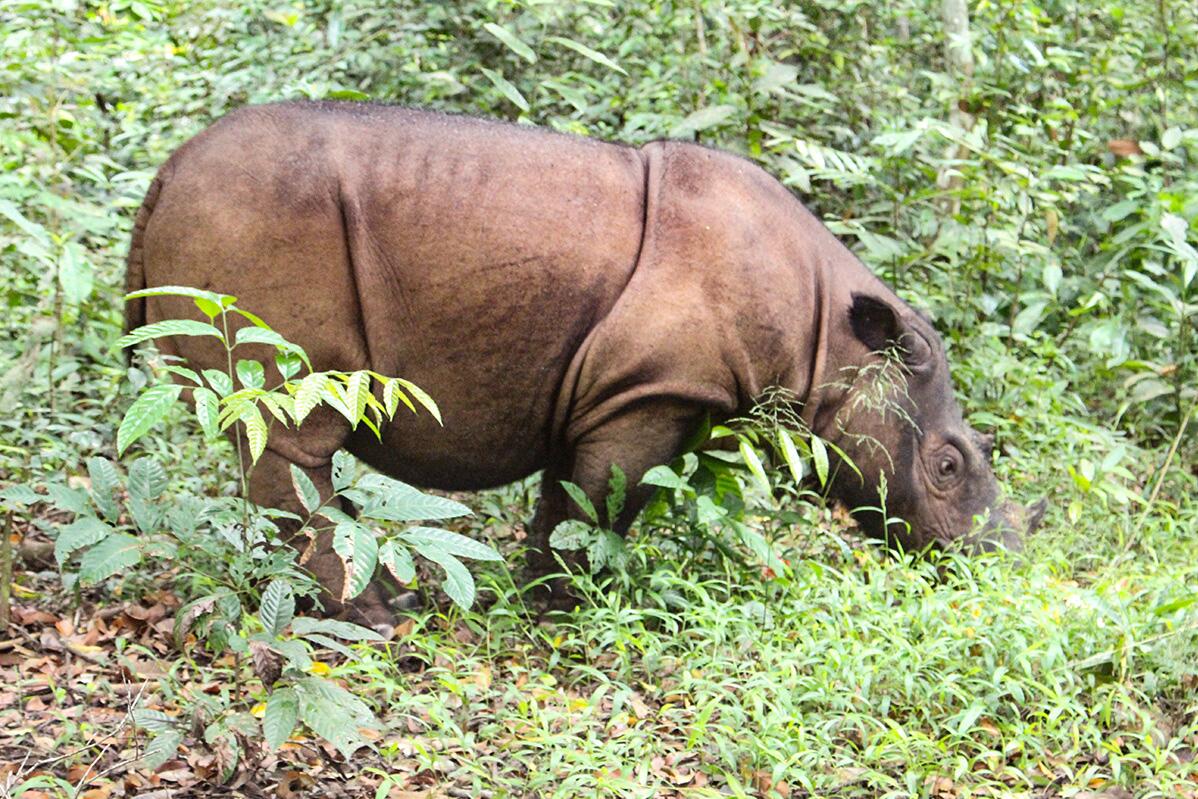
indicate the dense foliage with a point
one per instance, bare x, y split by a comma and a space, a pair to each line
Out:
1039, 200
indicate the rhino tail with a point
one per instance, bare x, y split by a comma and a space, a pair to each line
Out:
135, 273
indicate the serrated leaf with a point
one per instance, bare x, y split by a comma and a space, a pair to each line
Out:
116, 553
104, 485
280, 718
571, 535
306, 625
582, 49
277, 607
255, 430
358, 550
305, 490
147, 410
513, 42
357, 390
83, 532
250, 373
308, 395
581, 500
396, 559
505, 88
451, 542
169, 327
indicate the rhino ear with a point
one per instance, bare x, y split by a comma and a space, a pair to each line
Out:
880, 327
875, 322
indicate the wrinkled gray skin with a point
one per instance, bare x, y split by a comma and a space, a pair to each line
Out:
569, 304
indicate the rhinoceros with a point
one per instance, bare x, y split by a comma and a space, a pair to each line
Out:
569, 303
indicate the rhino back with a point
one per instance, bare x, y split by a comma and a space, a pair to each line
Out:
470, 257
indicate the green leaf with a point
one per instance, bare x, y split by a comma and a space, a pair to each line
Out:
664, 477
458, 584
334, 714
582, 49
67, 498
581, 500
105, 482
280, 718
277, 607
306, 625
571, 535
224, 300
20, 495
358, 550
819, 457
617, 486
31, 229
749, 456
148, 410
288, 364
393, 500
424, 399
83, 532
344, 469
208, 308
259, 335
207, 408
221, 383
75, 275
791, 455
250, 373
507, 89
170, 327
396, 559
116, 553
701, 120
308, 395
357, 390
451, 542
512, 41
255, 430
161, 748
147, 479
305, 490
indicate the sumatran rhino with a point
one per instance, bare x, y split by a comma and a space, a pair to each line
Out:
570, 304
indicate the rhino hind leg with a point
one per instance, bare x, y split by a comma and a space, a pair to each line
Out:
270, 486
637, 439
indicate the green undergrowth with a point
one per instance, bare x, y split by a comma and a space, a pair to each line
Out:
861, 675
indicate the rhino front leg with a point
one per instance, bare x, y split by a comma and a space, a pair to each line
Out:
647, 435
270, 486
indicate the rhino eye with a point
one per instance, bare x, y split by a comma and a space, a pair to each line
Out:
947, 464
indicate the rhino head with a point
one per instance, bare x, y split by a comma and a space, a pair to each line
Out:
919, 475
